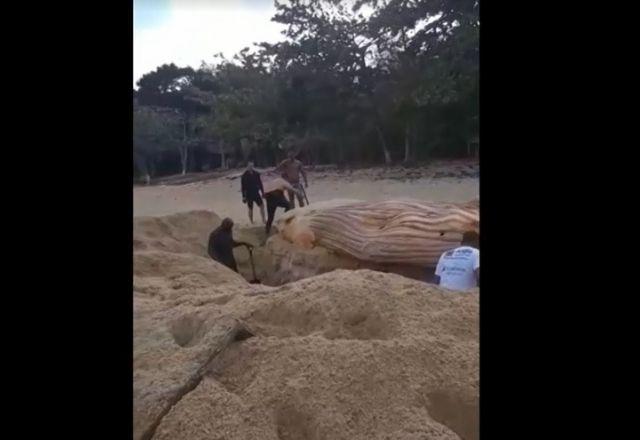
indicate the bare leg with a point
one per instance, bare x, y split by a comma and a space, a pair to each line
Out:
251, 214
292, 199
272, 204
282, 202
264, 222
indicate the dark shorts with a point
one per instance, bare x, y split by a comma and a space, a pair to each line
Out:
254, 198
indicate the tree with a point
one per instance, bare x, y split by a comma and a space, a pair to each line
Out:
400, 83
174, 88
155, 130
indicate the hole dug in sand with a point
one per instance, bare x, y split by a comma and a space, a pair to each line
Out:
187, 330
363, 325
285, 319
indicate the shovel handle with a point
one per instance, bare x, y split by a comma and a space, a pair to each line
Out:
253, 268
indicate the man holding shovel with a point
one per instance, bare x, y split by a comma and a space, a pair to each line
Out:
221, 244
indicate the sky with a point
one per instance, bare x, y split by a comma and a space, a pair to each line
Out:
187, 32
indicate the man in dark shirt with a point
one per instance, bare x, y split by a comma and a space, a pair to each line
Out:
221, 244
252, 191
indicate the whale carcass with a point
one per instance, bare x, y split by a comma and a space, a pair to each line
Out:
406, 232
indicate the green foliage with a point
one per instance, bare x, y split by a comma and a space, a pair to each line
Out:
339, 88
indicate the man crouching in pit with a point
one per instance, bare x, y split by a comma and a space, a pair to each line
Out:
221, 244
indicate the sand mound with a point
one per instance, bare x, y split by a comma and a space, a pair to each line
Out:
188, 233
344, 355
180, 233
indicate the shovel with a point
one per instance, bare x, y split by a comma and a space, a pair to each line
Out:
304, 193
255, 280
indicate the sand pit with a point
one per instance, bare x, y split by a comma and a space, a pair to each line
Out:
450, 181
344, 355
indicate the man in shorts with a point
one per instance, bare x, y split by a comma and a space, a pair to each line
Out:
274, 195
252, 191
459, 268
291, 169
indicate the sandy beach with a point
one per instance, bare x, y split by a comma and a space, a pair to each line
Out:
442, 182
347, 354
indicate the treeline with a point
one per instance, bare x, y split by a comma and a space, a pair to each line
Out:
398, 85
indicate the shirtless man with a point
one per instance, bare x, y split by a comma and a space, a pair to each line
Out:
291, 169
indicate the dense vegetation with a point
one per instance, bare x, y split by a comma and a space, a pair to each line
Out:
398, 85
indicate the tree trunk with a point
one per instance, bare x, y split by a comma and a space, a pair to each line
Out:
407, 143
140, 161
340, 141
260, 155
184, 162
183, 148
184, 152
383, 143
223, 162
